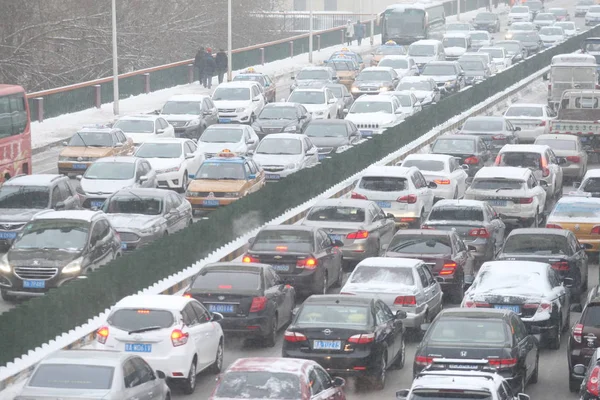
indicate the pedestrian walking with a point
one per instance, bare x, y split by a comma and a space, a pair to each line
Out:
199, 64
209, 68
221, 61
349, 32
360, 32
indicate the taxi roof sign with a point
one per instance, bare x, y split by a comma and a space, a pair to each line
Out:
390, 42
250, 70
345, 50
226, 153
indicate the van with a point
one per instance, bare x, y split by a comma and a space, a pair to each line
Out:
424, 51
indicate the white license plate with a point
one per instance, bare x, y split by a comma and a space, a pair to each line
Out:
497, 203
327, 344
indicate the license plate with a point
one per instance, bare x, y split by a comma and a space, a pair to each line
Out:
336, 237
224, 120
8, 235
273, 177
516, 309
384, 204
221, 308
327, 344
34, 284
497, 203
366, 133
281, 267
96, 203
79, 166
210, 203
467, 367
138, 347
124, 246
322, 156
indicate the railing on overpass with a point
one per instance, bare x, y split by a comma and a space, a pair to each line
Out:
299, 21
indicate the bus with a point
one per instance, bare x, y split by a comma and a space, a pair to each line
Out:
405, 24
15, 132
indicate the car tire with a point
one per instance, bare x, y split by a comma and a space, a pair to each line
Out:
271, 337
557, 335
401, 357
574, 384
340, 279
189, 384
378, 381
217, 366
7, 297
535, 375
184, 182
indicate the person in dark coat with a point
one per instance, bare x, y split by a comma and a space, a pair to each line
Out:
359, 32
199, 63
210, 66
221, 61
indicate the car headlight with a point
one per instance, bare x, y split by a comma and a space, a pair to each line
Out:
384, 89
4, 264
354, 89
150, 230
239, 110
290, 128
193, 122
164, 171
73, 267
291, 166
232, 194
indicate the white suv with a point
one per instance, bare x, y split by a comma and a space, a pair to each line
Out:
403, 192
238, 102
519, 14
514, 193
319, 102
373, 114
174, 334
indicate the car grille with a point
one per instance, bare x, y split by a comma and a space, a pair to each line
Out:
209, 155
207, 194
273, 168
128, 237
367, 125
88, 202
272, 130
227, 110
11, 227
178, 124
39, 273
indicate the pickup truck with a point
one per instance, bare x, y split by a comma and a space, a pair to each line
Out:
579, 114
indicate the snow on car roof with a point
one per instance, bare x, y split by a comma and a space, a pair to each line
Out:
374, 98
503, 172
592, 173
387, 69
153, 301
467, 380
459, 203
238, 84
416, 79
395, 57
576, 199
557, 136
384, 170
390, 262
271, 364
525, 148
432, 157
526, 266
462, 35
140, 116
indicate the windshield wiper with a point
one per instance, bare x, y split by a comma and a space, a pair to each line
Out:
147, 329
227, 178
81, 138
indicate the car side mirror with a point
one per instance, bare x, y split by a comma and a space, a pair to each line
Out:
576, 184
390, 216
471, 248
424, 327
216, 317
65, 143
331, 101
60, 205
295, 311
251, 240
562, 161
587, 246
159, 131
465, 167
345, 111
576, 307
161, 375
189, 155
401, 314
119, 145
257, 98
79, 177
402, 394
338, 243
293, 78
143, 179
568, 282
543, 183
338, 382
518, 128
251, 141
432, 185
579, 371
250, 152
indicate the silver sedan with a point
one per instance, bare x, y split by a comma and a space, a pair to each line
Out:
569, 147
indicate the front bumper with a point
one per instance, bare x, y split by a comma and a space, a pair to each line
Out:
208, 204
89, 200
132, 240
73, 168
359, 251
275, 174
235, 118
171, 180
14, 285
188, 132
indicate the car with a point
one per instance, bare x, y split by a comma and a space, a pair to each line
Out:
374, 80
362, 226
557, 247
487, 21
345, 52
588, 376
142, 216
389, 48
570, 148
332, 136
495, 131
90, 144
174, 161
519, 14
459, 27
448, 75
530, 40
285, 378
533, 119
238, 138
544, 19
532, 290
282, 154
470, 150
346, 332
552, 35
580, 215
424, 87
425, 51
280, 118
456, 44
444, 252
480, 39
23, 196
589, 186
403, 65
562, 14
372, 115
444, 170
303, 256
403, 284
541, 160
568, 27
144, 126
592, 16
238, 102
475, 71
265, 81
55, 248
477, 56
251, 297
342, 93
223, 179
176, 334
499, 57
345, 68
520, 27
313, 77
513, 49
515, 193
107, 175
320, 103
110, 374
496, 335
189, 114
409, 103
476, 223
400, 191
582, 7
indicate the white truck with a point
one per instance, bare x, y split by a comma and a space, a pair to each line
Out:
570, 71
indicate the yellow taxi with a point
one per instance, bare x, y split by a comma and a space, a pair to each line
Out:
266, 83
389, 48
223, 179
89, 144
346, 70
345, 52
580, 215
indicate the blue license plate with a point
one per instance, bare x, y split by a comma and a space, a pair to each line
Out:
210, 203
322, 156
497, 203
221, 308
96, 203
224, 120
8, 235
124, 246
79, 166
384, 204
516, 309
138, 347
335, 237
34, 284
273, 177
327, 344
366, 133
281, 267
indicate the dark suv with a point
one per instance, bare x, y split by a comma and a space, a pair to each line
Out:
23, 196
54, 248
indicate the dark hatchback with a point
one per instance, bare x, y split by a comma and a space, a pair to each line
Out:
332, 136
471, 150
281, 118
557, 247
486, 21
305, 257
348, 336
498, 336
252, 298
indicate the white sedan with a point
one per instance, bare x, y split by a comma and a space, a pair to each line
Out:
568, 27
321, 103
533, 119
444, 170
145, 126
175, 161
552, 35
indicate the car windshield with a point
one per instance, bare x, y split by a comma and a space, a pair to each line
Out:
495, 53
425, 165
307, 97
362, 107
53, 234
511, 48
422, 85
379, 76
472, 65
438, 70
591, 316
114, 171
551, 31
278, 113
454, 146
575, 209
336, 213
279, 146
450, 394
159, 150
383, 183
422, 244
526, 36
338, 91
545, 17
91, 139
480, 36
524, 111
182, 107
236, 279
394, 63
483, 125
132, 319
283, 240
476, 332
250, 78
557, 144
32, 197
519, 10
133, 204
497, 184
455, 42
421, 50
586, 2
458, 27
135, 125
521, 159
390, 50
456, 213
590, 185
222, 135
392, 275
535, 5
333, 315
568, 26
536, 244
313, 74
258, 385
486, 16
231, 94
221, 171
316, 129
72, 376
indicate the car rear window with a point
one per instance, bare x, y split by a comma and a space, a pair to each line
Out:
521, 159
456, 214
425, 165
537, 244
457, 146
392, 275
383, 184
259, 385
556, 144
134, 319
445, 394
483, 125
283, 240
333, 315
336, 213
469, 330
426, 244
495, 184
232, 279
592, 185
73, 376
591, 315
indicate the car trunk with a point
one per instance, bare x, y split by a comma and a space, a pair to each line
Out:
524, 306
493, 141
156, 343
464, 351
500, 202
227, 303
461, 228
331, 340
525, 123
386, 292
556, 260
282, 262
582, 229
434, 261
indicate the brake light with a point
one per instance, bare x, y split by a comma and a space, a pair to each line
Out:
596, 230
448, 268
410, 199
540, 307
498, 159
428, 227
258, 304
473, 304
187, 295
250, 259
102, 334
561, 266
358, 235
423, 361
362, 339
479, 232
574, 159
179, 338
405, 301
549, 86
442, 181
358, 196
472, 160
308, 263
499, 137
592, 383
502, 362
525, 200
553, 226
597, 86
293, 337
545, 172
543, 123
578, 332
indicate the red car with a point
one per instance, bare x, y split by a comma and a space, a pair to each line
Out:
279, 379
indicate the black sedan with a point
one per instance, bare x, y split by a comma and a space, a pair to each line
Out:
471, 150
348, 335
530, 40
496, 335
487, 21
304, 256
252, 298
533, 290
332, 136
557, 247
281, 118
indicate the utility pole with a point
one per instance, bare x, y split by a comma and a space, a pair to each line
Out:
310, 31
229, 45
115, 59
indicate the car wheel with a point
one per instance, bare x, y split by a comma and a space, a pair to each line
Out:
574, 384
7, 297
189, 384
340, 278
184, 182
557, 334
271, 337
534, 376
458, 292
217, 366
401, 357
379, 379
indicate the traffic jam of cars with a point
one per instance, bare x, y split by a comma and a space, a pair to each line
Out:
475, 249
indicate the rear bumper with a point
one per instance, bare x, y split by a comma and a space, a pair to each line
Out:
413, 319
359, 363
359, 251
306, 281
573, 170
252, 326
594, 242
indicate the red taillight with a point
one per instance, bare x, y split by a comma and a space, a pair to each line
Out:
308, 263
362, 339
539, 307
502, 362
258, 304
448, 268
553, 226
499, 137
561, 266
250, 259
525, 200
592, 385
574, 159
427, 227
498, 160
423, 361
410, 199
405, 301
442, 181
358, 235
596, 230
543, 123
473, 304
281, 248
597, 86
102, 334
479, 232
545, 172
358, 196
577, 332
179, 338
187, 295
472, 160
293, 337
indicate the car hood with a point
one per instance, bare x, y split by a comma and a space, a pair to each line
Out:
369, 118
133, 221
482, 22
377, 84
592, 14
311, 82
316, 107
551, 37
104, 186
180, 117
164, 163
545, 258
76, 151
42, 258
209, 185
218, 147
423, 59
422, 94
516, 14
471, 73
16, 214
139, 138
232, 103
329, 141
277, 159
443, 78
455, 51
275, 123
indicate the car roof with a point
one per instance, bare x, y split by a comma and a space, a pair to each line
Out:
328, 122
238, 84
316, 68
279, 104
416, 79
338, 299
32, 180
528, 105
344, 202
385, 170
390, 262
395, 57
577, 199
188, 97
527, 148
442, 63
310, 89
153, 301
462, 35
111, 358
529, 266
156, 192
271, 364
480, 31
121, 159
235, 126
82, 215
422, 232
503, 172
428, 156
459, 203
508, 41
139, 116
539, 231
237, 265
558, 136
489, 48
592, 173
